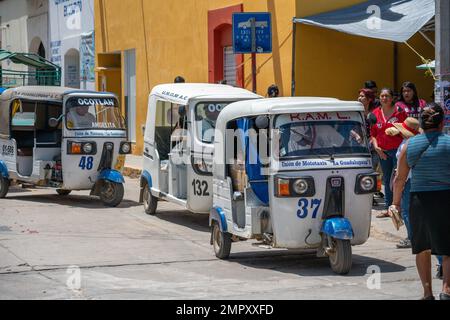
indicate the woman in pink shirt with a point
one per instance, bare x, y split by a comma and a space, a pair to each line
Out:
409, 100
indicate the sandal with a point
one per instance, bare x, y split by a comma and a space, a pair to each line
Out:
404, 244
428, 298
444, 296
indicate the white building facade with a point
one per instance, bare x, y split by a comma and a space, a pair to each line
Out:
72, 45
24, 28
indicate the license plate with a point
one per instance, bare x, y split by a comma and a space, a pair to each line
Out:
120, 162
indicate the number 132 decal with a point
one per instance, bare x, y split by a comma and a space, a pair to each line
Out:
304, 206
200, 187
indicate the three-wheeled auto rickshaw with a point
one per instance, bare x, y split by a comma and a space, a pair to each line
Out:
294, 173
178, 143
64, 139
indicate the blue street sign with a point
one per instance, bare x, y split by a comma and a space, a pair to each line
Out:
242, 32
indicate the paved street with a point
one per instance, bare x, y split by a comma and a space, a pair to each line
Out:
123, 253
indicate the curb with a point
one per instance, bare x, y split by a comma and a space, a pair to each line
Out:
133, 173
383, 235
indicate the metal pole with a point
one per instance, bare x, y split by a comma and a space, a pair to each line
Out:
294, 29
253, 26
442, 34
395, 67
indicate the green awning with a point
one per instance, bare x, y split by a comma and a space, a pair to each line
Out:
29, 59
427, 66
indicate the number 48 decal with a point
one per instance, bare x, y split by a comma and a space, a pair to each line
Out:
304, 205
86, 163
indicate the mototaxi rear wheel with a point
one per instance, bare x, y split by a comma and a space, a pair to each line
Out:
150, 201
4, 186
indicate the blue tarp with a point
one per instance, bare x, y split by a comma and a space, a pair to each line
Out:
395, 20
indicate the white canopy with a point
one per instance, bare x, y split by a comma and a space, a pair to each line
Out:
395, 20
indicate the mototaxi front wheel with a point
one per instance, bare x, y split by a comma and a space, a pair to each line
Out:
63, 192
221, 242
111, 193
341, 256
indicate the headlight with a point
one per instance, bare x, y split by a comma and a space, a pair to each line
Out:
126, 148
367, 183
74, 147
87, 148
294, 187
300, 186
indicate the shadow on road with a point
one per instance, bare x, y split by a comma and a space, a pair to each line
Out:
18, 190
72, 200
307, 264
194, 221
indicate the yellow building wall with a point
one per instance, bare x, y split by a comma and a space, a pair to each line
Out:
171, 38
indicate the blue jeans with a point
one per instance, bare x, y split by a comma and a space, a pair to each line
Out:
439, 260
375, 159
387, 166
405, 207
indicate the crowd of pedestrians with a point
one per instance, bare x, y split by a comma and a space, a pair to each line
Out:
408, 142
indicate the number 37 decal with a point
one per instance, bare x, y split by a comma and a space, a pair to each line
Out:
305, 205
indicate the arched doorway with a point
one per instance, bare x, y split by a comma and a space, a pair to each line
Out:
41, 50
72, 68
37, 47
224, 57
222, 62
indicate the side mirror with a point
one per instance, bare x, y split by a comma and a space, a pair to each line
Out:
262, 122
371, 119
53, 122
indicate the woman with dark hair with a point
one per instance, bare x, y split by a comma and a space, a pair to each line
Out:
428, 157
409, 100
367, 98
385, 145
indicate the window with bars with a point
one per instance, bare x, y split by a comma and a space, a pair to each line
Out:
229, 66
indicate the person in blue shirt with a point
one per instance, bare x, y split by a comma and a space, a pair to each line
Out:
428, 157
